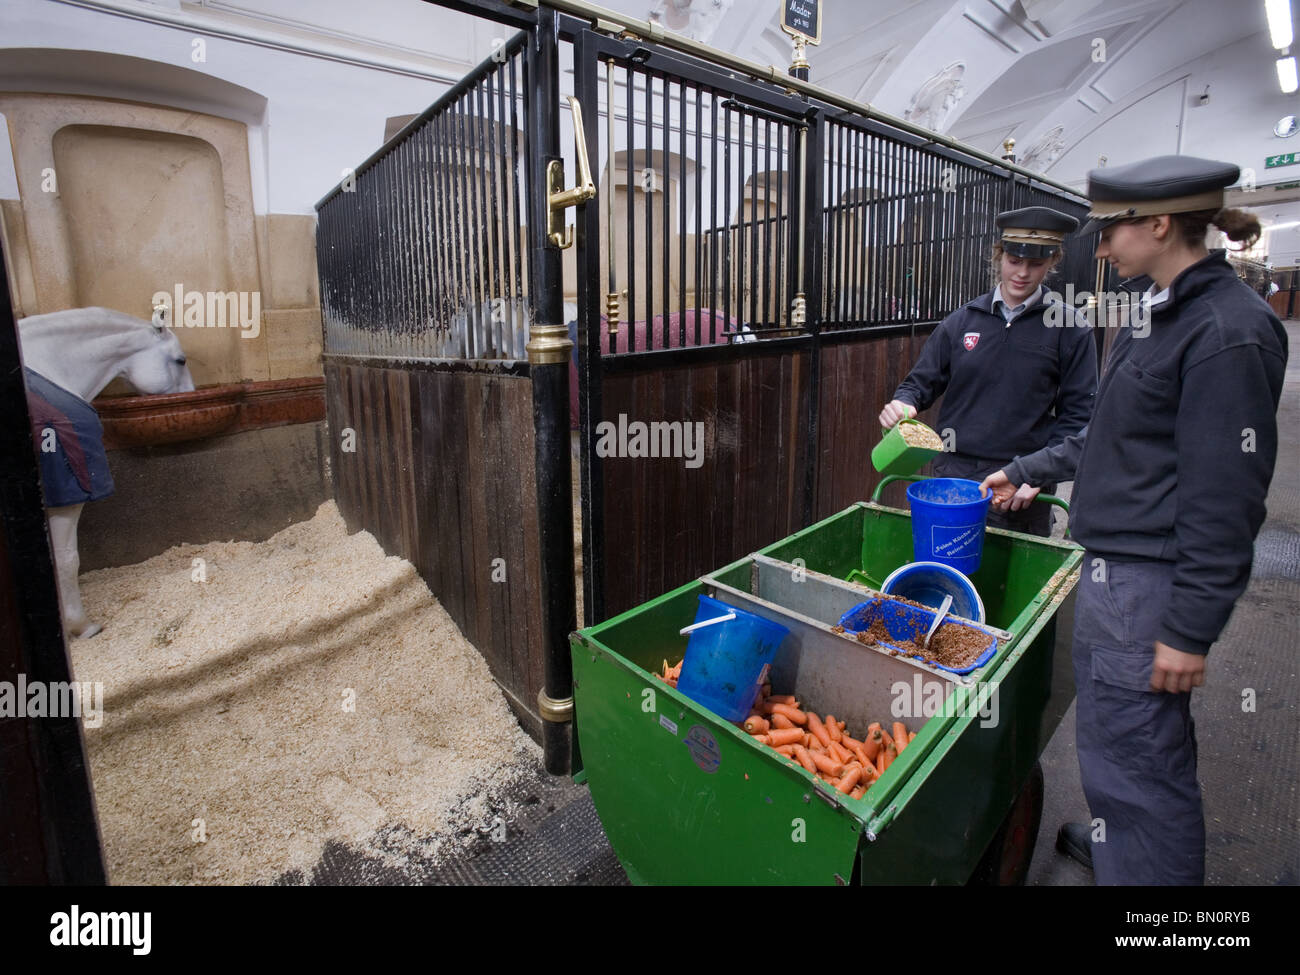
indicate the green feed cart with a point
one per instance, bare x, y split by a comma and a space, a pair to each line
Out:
688, 798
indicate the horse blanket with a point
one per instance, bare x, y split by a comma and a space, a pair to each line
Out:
74, 465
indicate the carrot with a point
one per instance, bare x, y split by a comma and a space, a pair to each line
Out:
804, 759
786, 750
789, 699
842, 724
886, 757
857, 793
900, 735
677, 671
756, 725
786, 736
872, 746
827, 764
780, 721
761, 739
818, 729
840, 752
849, 780
911, 736
848, 741
833, 728
886, 739
810, 743
793, 713
869, 774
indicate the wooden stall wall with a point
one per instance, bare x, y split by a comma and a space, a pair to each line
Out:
858, 377
442, 475
666, 523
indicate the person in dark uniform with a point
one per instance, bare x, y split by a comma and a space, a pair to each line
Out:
1169, 485
1016, 373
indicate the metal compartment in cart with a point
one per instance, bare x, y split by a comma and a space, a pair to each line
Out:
686, 797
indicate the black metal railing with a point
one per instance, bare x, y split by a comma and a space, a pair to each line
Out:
908, 229
706, 182
423, 252
702, 190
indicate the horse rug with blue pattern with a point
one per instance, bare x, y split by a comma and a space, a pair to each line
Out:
74, 465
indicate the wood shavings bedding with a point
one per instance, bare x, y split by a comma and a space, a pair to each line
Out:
311, 689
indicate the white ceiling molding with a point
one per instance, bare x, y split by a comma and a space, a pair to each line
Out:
937, 96
990, 31
1046, 149
696, 19
1011, 12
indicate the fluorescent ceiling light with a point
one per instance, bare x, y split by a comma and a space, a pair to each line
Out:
1282, 226
1286, 76
1279, 22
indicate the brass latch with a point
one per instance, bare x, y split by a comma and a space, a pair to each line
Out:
560, 199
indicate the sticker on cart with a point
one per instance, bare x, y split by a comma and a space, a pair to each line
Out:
699, 741
955, 541
664, 722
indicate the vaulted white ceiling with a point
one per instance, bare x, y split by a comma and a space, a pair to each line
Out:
1073, 82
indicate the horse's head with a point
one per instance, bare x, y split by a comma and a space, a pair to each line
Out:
160, 366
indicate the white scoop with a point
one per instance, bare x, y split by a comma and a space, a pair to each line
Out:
938, 618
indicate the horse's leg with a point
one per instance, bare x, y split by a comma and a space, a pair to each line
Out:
63, 535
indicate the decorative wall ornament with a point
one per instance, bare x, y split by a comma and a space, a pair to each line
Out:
1046, 150
696, 19
934, 99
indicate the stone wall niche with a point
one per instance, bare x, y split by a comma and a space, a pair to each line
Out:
144, 212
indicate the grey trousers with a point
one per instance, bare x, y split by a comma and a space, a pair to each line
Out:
1137, 747
1034, 520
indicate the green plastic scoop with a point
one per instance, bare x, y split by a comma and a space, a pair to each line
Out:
893, 455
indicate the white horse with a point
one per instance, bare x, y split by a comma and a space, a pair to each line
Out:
83, 350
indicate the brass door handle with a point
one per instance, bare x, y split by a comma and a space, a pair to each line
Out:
560, 199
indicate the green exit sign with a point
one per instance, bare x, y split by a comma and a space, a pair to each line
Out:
1285, 159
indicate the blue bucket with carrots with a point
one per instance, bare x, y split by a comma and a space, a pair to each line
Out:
948, 519
725, 657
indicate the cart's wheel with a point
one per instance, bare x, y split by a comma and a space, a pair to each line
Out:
1006, 862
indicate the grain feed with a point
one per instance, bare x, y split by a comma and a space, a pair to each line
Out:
261, 699
919, 435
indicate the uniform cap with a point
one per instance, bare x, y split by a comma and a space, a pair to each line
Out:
1165, 184
1034, 231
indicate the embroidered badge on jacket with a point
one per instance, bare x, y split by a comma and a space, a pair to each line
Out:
970, 340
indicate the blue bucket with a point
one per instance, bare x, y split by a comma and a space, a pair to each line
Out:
948, 518
724, 661
929, 582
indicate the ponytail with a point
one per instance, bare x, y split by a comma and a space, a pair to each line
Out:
1238, 225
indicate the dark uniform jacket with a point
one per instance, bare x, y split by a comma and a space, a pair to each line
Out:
1006, 390
1176, 463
